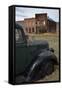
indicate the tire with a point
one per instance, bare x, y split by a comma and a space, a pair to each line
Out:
36, 74
48, 67
42, 66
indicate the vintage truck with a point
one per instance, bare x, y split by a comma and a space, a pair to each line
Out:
34, 59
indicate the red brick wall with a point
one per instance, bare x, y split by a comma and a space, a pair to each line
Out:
41, 22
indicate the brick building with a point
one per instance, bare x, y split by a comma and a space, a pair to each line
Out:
40, 24
51, 25
30, 25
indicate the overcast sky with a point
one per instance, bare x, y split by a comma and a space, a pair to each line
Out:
22, 13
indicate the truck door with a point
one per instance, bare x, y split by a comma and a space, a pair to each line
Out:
21, 52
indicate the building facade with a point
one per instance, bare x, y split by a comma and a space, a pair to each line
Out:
40, 24
30, 25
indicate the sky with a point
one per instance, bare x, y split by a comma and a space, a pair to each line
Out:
22, 13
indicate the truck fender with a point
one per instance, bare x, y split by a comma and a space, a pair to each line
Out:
48, 55
38, 64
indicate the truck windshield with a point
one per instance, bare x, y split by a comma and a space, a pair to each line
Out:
19, 37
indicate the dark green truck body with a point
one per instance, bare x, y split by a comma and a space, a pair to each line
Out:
30, 56
25, 54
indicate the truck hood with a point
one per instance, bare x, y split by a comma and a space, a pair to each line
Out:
42, 43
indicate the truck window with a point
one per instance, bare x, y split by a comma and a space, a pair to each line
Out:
19, 37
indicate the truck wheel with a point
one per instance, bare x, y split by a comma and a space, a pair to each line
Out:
36, 73
41, 68
48, 67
